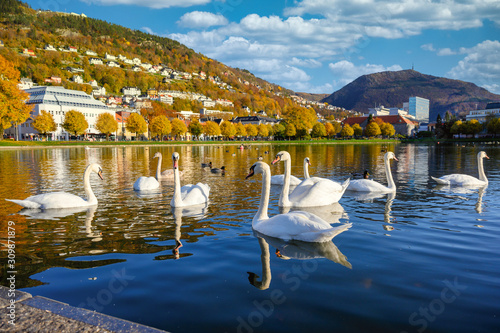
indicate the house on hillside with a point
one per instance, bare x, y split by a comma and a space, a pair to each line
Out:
95, 61
25, 83
255, 120
402, 125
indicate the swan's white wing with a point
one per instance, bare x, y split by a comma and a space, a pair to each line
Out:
194, 194
458, 179
52, 200
279, 180
366, 185
309, 193
146, 184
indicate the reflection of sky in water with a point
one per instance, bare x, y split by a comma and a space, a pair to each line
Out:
400, 249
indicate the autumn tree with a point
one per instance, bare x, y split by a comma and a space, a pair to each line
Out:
106, 124
387, 129
160, 126
329, 130
303, 119
318, 130
44, 123
211, 128
251, 130
240, 130
358, 130
178, 127
227, 129
13, 109
290, 130
372, 129
346, 131
262, 130
456, 128
75, 122
493, 126
473, 127
270, 130
195, 128
136, 124
279, 130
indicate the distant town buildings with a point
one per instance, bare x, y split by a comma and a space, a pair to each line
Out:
492, 109
418, 107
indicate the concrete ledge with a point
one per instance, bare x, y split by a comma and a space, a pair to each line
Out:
40, 314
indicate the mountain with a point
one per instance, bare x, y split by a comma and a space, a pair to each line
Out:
392, 89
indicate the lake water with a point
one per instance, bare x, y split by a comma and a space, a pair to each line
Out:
424, 260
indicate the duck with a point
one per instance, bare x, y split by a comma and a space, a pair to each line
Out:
295, 225
206, 165
357, 175
58, 200
466, 180
310, 192
187, 195
218, 170
369, 185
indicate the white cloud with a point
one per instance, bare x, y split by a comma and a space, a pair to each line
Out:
446, 52
428, 47
345, 72
199, 19
481, 65
157, 4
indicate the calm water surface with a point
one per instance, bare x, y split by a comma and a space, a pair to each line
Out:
425, 259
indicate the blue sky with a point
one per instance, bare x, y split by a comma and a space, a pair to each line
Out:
319, 46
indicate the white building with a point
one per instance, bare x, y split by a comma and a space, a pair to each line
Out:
57, 101
25, 83
492, 109
131, 91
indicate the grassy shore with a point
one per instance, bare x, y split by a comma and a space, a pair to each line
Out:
41, 144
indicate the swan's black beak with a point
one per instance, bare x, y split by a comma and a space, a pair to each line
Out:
100, 174
251, 173
276, 159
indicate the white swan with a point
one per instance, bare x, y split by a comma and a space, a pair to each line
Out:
369, 185
466, 180
146, 184
56, 200
166, 174
311, 192
294, 181
187, 195
296, 225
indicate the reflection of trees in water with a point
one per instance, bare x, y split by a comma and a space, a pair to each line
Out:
53, 237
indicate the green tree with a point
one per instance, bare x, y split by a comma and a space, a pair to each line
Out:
75, 122
160, 126
346, 131
195, 128
44, 123
240, 130
279, 130
178, 127
457, 127
227, 129
262, 130
251, 130
270, 129
136, 124
372, 129
493, 126
387, 129
290, 130
13, 109
318, 130
106, 124
474, 127
358, 130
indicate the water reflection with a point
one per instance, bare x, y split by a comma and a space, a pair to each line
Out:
331, 213
454, 192
198, 212
292, 250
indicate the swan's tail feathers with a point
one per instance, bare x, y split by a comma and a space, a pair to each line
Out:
346, 183
328, 234
25, 203
440, 181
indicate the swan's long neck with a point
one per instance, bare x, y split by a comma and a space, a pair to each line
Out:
390, 182
91, 198
158, 168
482, 175
177, 199
264, 198
266, 266
306, 169
284, 200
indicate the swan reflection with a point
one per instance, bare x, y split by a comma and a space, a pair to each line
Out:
457, 191
198, 212
292, 250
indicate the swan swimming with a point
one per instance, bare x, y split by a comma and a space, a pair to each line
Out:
166, 174
369, 185
294, 181
296, 225
56, 200
466, 180
311, 192
187, 195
